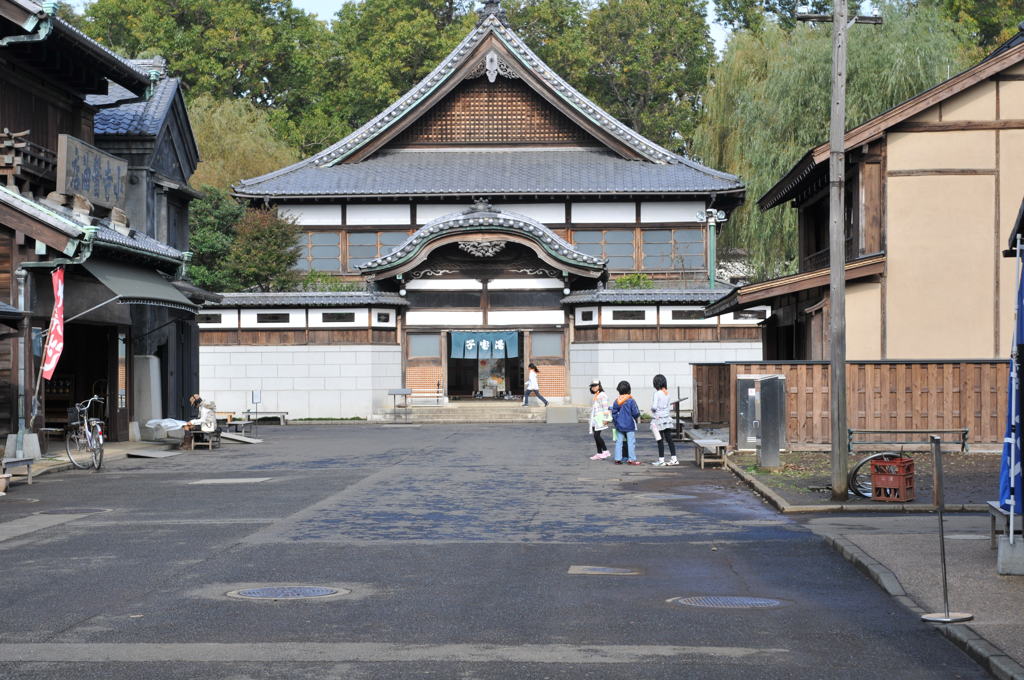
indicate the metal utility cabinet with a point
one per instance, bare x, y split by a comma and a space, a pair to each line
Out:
761, 416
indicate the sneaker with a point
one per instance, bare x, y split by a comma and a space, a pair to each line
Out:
605, 454
672, 461
658, 463
618, 462
634, 462
596, 456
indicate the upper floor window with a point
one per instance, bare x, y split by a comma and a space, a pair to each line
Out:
364, 246
617, 245
320, 251
673, 249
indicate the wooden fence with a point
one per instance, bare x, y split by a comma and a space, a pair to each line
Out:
905, 395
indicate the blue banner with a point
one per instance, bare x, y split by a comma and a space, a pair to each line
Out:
485, 345
1010, 470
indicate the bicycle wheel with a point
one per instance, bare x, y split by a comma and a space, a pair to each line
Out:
859, 481
79, 454
97, 445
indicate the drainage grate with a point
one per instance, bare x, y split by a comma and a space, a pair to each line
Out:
726, 602
287, 592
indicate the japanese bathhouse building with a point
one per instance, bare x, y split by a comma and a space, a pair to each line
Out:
488, 210
97, 152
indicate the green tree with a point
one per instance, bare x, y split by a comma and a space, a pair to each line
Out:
767, 103
382, 48
650, 61
236, 141
212, 221
263, 253
556, 30
989, 22
228, 48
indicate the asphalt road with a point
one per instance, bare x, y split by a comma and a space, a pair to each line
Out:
452, 548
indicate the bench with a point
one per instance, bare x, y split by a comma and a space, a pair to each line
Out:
404, 393
282, 416
211, 440
960, 432
710, 451
997, 513
10, 462
240, 426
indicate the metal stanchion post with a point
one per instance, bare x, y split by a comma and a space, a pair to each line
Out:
944, 616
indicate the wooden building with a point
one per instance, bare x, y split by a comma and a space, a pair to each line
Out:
492, 201
67, 202
933, 188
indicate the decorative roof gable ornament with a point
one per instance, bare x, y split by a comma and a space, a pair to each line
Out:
493, 65
492, 7
482, 248
481, 205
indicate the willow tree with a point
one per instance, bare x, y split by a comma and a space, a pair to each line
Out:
767, 103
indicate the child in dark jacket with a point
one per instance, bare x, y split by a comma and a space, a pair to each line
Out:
624, 416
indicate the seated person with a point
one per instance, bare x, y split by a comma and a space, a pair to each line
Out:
206, 422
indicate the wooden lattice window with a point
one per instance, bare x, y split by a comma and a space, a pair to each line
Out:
506, 111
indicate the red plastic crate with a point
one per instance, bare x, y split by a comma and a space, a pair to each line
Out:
892, 481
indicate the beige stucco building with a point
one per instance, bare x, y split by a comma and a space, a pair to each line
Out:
933, 189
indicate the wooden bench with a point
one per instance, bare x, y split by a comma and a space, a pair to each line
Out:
997, 513
240, 426
710, 451
211, 440
282, 416
10, 462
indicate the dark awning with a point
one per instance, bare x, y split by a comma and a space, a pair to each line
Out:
9, 316
134, 285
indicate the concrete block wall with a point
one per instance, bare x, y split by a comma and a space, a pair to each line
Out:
639, 362
307, 381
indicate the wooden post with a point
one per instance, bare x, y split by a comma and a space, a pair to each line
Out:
837, 243
837, 253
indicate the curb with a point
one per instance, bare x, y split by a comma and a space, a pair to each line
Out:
987, 655
48, 465
782, 505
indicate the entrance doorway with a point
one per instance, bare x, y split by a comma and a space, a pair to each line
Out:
484, 378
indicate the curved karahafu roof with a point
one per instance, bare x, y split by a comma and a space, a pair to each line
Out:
481, 228
494, 50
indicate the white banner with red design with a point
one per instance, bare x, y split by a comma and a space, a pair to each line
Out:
55, 336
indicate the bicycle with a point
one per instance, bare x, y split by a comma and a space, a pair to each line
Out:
84, 437
859, 481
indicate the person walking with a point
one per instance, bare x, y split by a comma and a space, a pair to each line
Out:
624, 416
533, 386
661, 421
600, 416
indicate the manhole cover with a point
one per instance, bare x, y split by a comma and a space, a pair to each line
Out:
287, 592
726, 602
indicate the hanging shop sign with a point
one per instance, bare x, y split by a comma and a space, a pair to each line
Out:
485, 345
85, 170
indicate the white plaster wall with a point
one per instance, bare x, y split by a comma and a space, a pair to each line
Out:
372, 214
527, 318
316, 215
308, 381
670, 211
639, 362
604, 213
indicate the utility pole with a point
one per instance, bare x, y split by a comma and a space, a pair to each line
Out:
837, 240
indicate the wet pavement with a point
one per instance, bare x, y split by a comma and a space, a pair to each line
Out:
458, 552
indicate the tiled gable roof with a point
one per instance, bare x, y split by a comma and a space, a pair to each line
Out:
325, 174
136, 117
495, 172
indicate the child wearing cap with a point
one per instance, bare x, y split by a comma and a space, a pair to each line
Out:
600, 416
